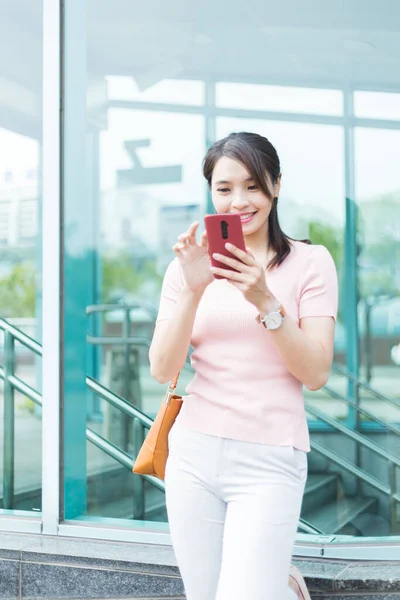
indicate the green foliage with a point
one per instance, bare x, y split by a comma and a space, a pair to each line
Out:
330, 237
17, 291
120, 276
379, 226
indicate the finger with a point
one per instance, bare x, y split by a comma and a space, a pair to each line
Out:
192, 233
183, 238
177, 248
241, 255
231, 275
204, 240
231, 262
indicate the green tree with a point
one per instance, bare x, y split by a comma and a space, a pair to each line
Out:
330, 237
121, 276
17, 291
379, 228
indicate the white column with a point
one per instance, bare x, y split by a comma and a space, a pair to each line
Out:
51, 260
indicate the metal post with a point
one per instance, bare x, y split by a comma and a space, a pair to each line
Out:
368, 348
351, 265
138, 481
395, 525
9, 422
125, 335
210, 130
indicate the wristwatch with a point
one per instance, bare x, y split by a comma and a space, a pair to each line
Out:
273, 320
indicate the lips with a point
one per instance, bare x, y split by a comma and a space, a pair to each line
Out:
246, 217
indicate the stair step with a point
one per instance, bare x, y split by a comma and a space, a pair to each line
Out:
335, 516
320, 489
122, 508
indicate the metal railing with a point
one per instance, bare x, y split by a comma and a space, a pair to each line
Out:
141, 423
392, 461
13, 383
364, 385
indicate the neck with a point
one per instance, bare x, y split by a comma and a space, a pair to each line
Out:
258, 244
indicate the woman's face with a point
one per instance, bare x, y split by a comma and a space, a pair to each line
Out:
234, 191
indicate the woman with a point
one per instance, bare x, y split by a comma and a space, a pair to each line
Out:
237, 466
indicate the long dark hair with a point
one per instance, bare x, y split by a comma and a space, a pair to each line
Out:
260, 158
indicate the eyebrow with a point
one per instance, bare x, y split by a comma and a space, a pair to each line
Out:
224, 181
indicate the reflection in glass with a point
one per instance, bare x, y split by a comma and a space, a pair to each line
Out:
20, 256
155, 100
165, 91
377, 105
279, 98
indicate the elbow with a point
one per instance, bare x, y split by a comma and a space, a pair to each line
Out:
317, 381
158, 372
158, 375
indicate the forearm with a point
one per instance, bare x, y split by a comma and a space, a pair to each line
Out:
305, 358
169, 350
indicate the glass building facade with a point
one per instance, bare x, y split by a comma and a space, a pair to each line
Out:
106, 111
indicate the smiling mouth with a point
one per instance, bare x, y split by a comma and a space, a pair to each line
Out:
246, 217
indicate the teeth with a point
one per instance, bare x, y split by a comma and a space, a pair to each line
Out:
246, 216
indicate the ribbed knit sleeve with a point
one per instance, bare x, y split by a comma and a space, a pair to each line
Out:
319, 285
170, 291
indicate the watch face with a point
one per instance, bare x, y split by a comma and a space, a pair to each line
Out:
273, 320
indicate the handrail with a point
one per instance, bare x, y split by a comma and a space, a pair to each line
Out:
118, 402
99, 308
389, 426
364, 385
350, 468
306, 527
392, 461
22, 387
109, 448
357, 437
111, 340
143, 421
21, 337
120, 456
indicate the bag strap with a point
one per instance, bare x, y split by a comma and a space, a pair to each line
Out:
174, 383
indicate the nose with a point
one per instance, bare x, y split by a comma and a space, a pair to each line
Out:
239, 201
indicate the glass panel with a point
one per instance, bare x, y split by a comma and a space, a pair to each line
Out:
377, 105
168, 91
145, 92
20, 254
378, 196
279, 99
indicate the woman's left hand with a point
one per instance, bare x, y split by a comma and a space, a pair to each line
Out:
248, 277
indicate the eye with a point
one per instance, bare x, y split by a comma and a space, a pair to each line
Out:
253, 187
223, 190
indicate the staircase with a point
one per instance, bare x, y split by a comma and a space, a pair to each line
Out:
327, 509
353, 486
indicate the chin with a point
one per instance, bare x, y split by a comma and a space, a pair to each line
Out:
253, 228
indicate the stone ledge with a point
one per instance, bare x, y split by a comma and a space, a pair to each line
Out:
55, 567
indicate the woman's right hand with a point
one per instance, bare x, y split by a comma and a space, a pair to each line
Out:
194, 259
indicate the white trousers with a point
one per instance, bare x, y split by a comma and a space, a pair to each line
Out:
233, 511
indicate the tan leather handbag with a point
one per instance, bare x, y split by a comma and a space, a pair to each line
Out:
153, 454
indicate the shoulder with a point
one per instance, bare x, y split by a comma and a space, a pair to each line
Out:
310, 255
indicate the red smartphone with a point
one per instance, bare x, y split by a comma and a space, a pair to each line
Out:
222, 229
